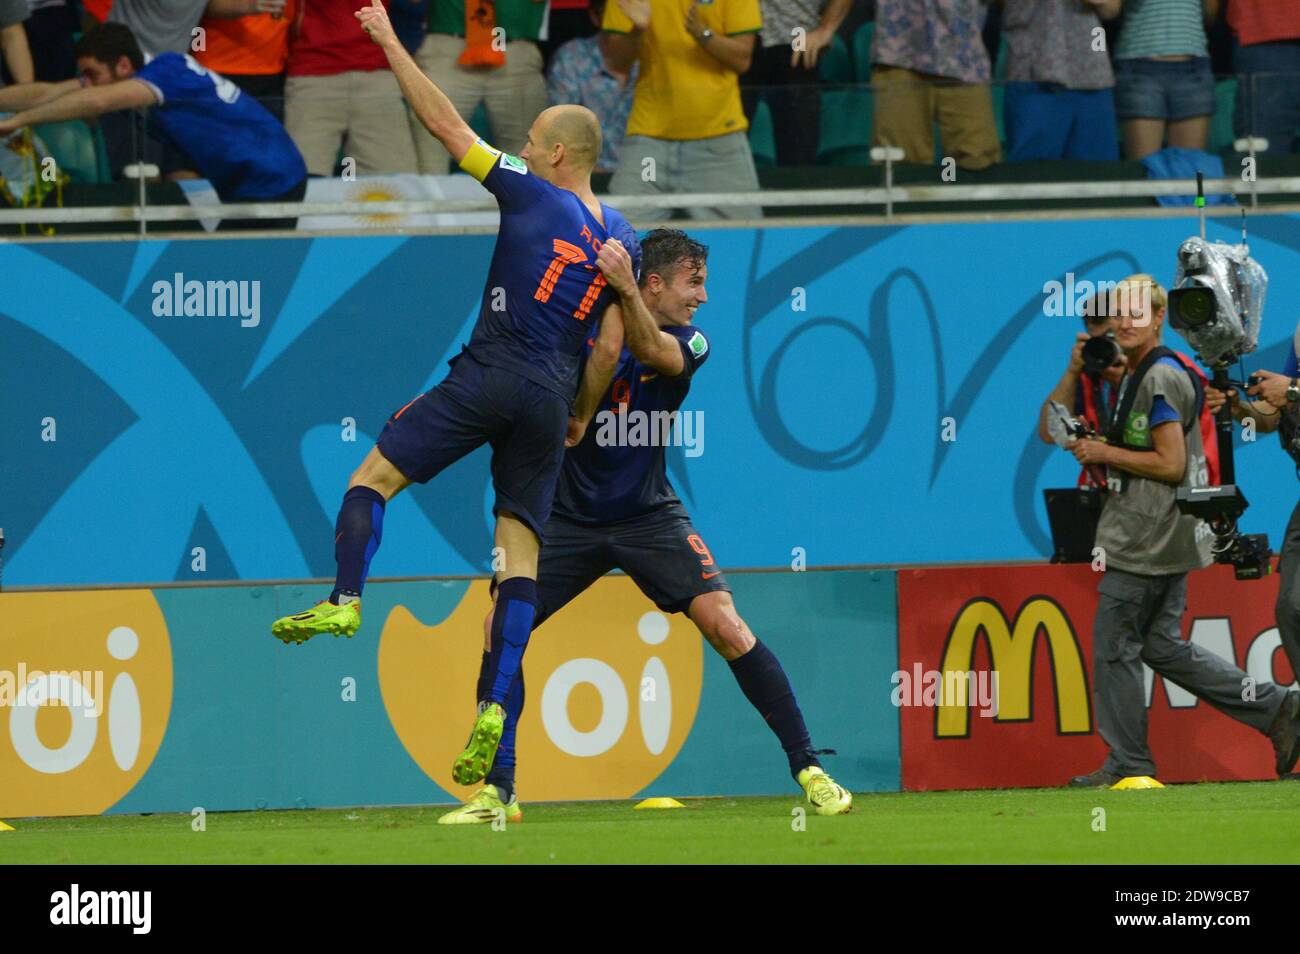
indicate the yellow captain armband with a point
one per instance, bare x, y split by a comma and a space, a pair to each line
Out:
480, 159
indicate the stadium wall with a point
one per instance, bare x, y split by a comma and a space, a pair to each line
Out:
177, 698
143, 444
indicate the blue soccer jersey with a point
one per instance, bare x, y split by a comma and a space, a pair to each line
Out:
236, 144
618, 471
544, 293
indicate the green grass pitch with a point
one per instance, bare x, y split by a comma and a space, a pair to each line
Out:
1206, 823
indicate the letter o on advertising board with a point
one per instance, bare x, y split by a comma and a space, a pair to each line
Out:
613, 707
55, 687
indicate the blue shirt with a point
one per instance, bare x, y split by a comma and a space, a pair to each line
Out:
236, 144
618, 471
1162, 412
577, 74
544, 294
1292, 367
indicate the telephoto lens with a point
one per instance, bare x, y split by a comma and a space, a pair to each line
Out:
1100, 353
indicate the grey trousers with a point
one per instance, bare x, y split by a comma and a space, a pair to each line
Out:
1288, 593
1139, 620
649, 166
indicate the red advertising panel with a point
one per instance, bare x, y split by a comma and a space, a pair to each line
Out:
1036, 724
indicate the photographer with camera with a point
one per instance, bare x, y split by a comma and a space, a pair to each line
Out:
1152, 447
1090, 383
1276, 407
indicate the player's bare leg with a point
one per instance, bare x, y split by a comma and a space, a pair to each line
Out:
516, 549
765, 685
357, 534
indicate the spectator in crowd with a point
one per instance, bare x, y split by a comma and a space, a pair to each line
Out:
167, 26
784, 72
686, 132
1266, 39
15, 54
251, 52
929, 65
1059, 101
235, 143
566, 20
162, 26
51, 35
466, 59
341, 93
1163, 82
578, 74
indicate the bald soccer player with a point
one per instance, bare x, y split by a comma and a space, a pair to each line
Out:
516, 382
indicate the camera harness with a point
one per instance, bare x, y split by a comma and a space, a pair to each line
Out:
1128, 396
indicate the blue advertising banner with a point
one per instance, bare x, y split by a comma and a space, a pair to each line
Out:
174, 699
191, 410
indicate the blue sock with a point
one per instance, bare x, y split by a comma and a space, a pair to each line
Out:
765, 685
357, 533
512, 624
503, 767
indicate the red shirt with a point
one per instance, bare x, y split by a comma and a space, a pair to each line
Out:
1262, 21
330, 41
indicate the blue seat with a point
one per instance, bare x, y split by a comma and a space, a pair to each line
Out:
845, 127
73, 148
836, 64
762, 141
1221, 135
862, 51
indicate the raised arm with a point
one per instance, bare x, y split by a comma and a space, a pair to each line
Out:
430, 104
83, 104
648, 343
1066, 389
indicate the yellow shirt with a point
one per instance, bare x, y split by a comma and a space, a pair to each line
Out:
683, 92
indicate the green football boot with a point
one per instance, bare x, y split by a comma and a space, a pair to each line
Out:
324, 617
824, 793
483, 808
475, 761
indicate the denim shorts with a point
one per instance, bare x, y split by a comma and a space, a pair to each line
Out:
1164, 89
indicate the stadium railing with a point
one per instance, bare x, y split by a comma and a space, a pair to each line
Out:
851, 180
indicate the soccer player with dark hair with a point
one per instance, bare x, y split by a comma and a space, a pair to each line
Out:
511, 387
615, 509
232, 140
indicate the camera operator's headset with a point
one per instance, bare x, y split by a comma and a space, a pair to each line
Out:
1209, 438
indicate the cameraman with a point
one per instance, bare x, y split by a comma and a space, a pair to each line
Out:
1153, 447
1089, 392
1277, 405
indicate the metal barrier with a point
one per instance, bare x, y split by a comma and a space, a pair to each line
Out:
887, 197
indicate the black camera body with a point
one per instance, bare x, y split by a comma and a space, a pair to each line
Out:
1247, 553
1100, 353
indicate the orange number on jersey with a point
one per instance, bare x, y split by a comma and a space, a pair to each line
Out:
565, 255
706, 558
568, 254
589, 299
622, 392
